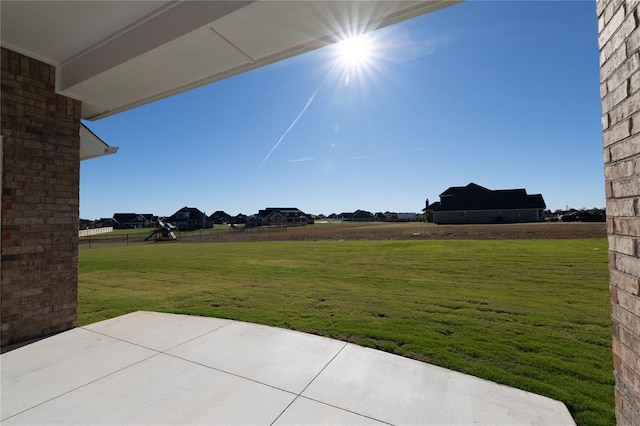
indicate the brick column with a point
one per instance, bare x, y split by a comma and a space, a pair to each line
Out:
619, 41
40, 200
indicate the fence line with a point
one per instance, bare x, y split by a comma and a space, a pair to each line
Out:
95, 231
206, 234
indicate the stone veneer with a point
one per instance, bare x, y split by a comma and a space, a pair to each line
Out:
619, 42
40, 200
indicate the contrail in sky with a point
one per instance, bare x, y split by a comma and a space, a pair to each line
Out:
292, 124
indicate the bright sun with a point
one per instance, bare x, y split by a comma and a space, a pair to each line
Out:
355, 52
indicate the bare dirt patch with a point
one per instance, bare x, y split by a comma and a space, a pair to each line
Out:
409, 231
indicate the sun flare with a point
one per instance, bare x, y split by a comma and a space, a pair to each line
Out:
355, 52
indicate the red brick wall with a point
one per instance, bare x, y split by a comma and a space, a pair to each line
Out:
619, 42
40, 200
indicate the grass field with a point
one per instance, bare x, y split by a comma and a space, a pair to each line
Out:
533, 314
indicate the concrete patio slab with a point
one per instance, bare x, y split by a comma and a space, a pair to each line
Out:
281, 358
398, 390
152, 368
163, 390
305, 411
44, 370
161, 331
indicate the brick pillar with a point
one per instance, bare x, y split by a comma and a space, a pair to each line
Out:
40, 200
619, 41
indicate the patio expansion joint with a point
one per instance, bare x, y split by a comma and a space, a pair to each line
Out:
164, 351
341, 409
299, 395
240, 376
197, 337
84, 384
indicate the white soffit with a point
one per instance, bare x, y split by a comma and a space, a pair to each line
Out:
277, 28
55, 31
115, 55
159, 72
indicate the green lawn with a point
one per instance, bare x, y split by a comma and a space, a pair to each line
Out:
533, 314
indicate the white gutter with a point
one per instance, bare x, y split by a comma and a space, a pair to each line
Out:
91, 146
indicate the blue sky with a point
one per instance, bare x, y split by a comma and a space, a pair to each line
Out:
502, 94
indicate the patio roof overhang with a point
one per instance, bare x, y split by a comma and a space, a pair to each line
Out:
116, 55
91, 146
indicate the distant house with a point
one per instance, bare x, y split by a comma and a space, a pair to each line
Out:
476, 204
284, 216
428, 211
189, 218
104, 222
87, 223
132, 220
253, 221
220, 217
275, 218
357, 216
362, 216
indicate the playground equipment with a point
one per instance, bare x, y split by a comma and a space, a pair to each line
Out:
163, 231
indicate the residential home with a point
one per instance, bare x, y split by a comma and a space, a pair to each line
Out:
284, 216
275, 218
105, 222
87, 223
357, 216
220, 217
379, 216
428, 210
132, 220
391, 216
362, 216
253, 221
240, 218
476, 204
189, 218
